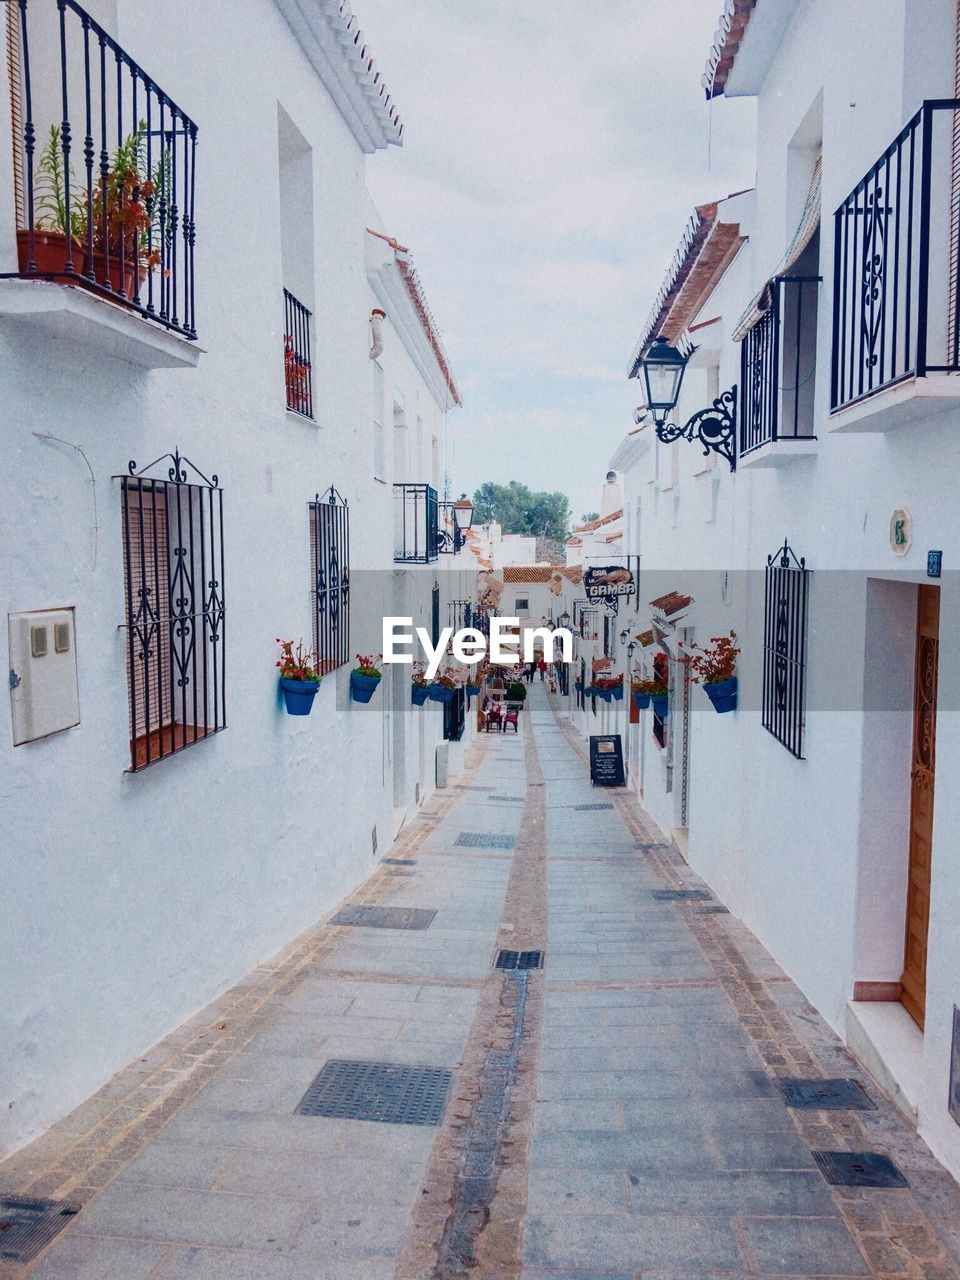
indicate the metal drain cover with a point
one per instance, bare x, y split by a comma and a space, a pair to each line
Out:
680, 895
466, 786
379, 1091
400, 862
484, 840
583, 808
859, 1169
385, 917
27, 1225
519, 960
713, 909
823, 1095
511, 799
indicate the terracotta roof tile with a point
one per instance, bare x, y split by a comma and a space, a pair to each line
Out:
726, 45
671, 603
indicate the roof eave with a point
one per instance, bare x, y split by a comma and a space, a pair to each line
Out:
328, 33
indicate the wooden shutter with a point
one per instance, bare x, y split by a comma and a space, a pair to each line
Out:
147, 589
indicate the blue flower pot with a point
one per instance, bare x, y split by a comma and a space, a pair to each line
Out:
641, 700
660, 703
605, 694
440, 693
723, 694
299, 695
473, 690
418, 694
617, 693
362, 688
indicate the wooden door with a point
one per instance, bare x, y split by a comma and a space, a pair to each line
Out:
914, 978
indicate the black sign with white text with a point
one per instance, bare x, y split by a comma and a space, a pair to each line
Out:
611, 580
606, 760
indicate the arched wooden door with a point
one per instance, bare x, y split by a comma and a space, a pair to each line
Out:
914, 978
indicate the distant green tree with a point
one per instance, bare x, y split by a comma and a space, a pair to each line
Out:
519, 510
588, 516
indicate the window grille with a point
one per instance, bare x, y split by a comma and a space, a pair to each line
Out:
330, 579
173, 581
785, 648
416, 533
297, 366
458, 614
435, 615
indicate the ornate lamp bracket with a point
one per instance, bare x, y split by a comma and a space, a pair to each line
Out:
714, 428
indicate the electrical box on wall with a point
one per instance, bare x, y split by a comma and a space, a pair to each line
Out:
43, 674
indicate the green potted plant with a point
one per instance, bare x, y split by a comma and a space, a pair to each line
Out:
299, 677
713, 667
419, 685
365, 677
640, 693
119, 205
516, 691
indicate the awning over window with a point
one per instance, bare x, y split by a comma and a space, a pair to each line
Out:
809, 223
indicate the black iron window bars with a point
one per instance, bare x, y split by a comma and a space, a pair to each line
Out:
297, 368
415, 526
459, 614
896, 293
785, 648
175, 619
330, 579
778, 364
104, 166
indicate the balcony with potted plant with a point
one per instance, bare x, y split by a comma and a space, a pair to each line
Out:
104, 173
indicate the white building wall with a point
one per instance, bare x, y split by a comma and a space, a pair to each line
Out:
812, 853
140, 897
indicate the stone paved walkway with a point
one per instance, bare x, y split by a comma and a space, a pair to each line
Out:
613, 1115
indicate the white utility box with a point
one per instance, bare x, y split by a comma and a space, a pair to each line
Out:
43, 674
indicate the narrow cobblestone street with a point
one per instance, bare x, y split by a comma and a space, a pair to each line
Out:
613, 1114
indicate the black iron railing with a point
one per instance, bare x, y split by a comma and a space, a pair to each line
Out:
778, 360
458, 614
785, 648
297, 369
330, 579
896, 303
173, 580
104, 166
416, 537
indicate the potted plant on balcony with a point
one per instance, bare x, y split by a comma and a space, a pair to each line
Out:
640, 691
120, 205
419, 685
299, 677
609, 687
713, 667
659, 697
365, 677
443, 686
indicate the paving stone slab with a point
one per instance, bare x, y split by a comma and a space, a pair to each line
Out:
806, 1246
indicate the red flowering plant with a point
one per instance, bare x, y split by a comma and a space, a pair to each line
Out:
298, 664
715, 662
419, 676
658, 687
607, 681
296, 373
368, 665
448, 678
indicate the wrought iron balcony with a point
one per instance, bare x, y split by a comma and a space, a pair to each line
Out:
896, 301
416, 530
104, 166
778, 359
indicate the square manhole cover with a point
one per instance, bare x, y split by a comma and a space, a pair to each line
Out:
859, 1169
584, 808
484, 840
27, 1225
519, 960
823, 1095
380, 1091
385, 917
680, 895
400, 862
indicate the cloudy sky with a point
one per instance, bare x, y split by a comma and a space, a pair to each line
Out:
553, 152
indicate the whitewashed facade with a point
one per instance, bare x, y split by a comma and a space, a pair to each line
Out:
824, 844
142, 895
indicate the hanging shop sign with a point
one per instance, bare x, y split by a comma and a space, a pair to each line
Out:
610, 580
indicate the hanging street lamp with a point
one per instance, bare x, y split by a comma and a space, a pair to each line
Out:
714, 428
453, 536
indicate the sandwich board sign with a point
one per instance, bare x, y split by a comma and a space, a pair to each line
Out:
606, 760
